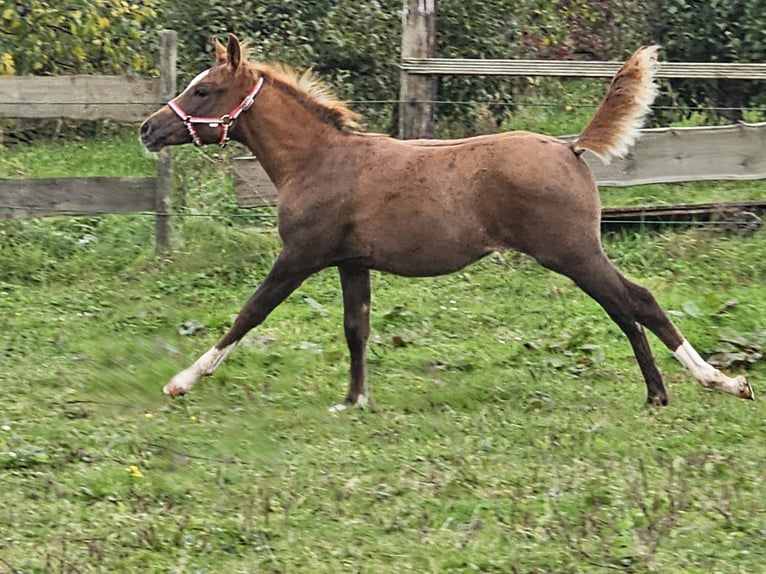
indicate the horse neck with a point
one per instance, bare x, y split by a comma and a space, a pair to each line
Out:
283, 133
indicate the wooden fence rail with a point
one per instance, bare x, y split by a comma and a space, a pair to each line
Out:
663, 155
76, 196
669, 155
118, 98
580, 69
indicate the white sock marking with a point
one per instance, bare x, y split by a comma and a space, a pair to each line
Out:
709, 376
205, 365
361, 402
691, 359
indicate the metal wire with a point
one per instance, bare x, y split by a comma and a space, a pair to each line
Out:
84, 213
441, 102
269, 213
551, 105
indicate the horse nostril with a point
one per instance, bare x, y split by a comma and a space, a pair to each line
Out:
144, 129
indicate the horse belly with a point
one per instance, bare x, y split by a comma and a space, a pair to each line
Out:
422, 244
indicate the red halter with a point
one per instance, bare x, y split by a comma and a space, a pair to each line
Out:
224, 122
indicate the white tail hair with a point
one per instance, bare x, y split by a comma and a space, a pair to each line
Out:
618, 120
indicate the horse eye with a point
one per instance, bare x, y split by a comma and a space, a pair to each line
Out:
200, 91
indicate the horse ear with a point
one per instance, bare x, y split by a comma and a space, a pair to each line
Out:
220, 52
235, 52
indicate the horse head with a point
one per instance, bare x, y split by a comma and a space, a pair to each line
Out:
205, 112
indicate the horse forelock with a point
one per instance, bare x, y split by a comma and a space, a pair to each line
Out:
308, 86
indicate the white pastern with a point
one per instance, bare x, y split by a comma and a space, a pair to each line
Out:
361, 402
711, 377
205, 365
339, 408
181, 382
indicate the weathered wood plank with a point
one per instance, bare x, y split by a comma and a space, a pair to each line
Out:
164, 189
120, 98
417, 113
254, 189
663, 155
668, 155
738, 215
252, 184
683, 211
572, 68
27, 198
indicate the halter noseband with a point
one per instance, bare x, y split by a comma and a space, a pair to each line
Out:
224, 122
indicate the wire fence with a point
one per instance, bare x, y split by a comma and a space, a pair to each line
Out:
513, 104
269, 214
491, 103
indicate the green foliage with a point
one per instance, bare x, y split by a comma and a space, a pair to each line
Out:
720, 31
534, 29
77, 36
355, 45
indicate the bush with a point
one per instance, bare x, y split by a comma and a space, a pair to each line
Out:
355, 45
721, 31
79, 37
58, 37
532, 29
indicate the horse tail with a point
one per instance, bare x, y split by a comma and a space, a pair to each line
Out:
617, 121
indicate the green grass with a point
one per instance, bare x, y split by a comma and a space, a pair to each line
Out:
118, 156
511, 434
691, 192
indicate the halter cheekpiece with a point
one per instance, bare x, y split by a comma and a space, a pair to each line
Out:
224, 122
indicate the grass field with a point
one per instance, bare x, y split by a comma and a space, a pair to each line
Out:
511, 435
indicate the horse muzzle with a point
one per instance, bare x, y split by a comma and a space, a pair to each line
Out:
145, 135
162, 129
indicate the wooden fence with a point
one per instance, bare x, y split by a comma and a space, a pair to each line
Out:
662, 155
118, 98
420, 69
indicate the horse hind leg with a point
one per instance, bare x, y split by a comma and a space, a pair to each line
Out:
631, 307
654, 318
355, 283
595, 275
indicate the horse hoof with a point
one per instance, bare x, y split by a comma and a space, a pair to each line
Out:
657, 400
339, 408
362, 401
745, 390
173, 390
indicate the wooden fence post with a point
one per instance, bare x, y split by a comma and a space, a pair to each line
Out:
168, 56
418, 92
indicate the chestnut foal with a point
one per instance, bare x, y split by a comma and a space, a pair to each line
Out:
361, 201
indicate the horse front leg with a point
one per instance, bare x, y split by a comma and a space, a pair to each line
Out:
355, 283
284, 278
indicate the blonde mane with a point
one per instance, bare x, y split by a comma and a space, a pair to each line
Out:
312, 91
